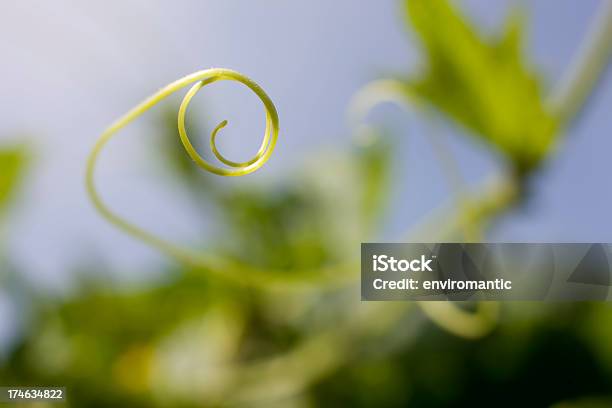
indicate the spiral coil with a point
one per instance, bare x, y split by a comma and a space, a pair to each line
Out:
199, 79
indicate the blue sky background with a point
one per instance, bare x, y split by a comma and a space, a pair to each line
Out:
69, 68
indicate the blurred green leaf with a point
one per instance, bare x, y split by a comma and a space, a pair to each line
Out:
12, 164
484, 84
280, 228
373, 160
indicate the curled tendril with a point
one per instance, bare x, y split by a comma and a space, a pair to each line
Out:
447, 315
270, 134
199, 79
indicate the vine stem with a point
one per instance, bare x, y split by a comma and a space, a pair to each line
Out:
570, 95
472, 217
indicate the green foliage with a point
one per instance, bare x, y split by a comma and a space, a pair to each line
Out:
12, 165
281, 229
106, 334
483, 84
374, 172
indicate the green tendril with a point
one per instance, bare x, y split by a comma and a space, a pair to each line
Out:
201, 79
447, 315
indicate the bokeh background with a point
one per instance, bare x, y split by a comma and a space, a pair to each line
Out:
86, 306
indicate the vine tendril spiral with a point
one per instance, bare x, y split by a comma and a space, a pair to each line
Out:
199, 79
